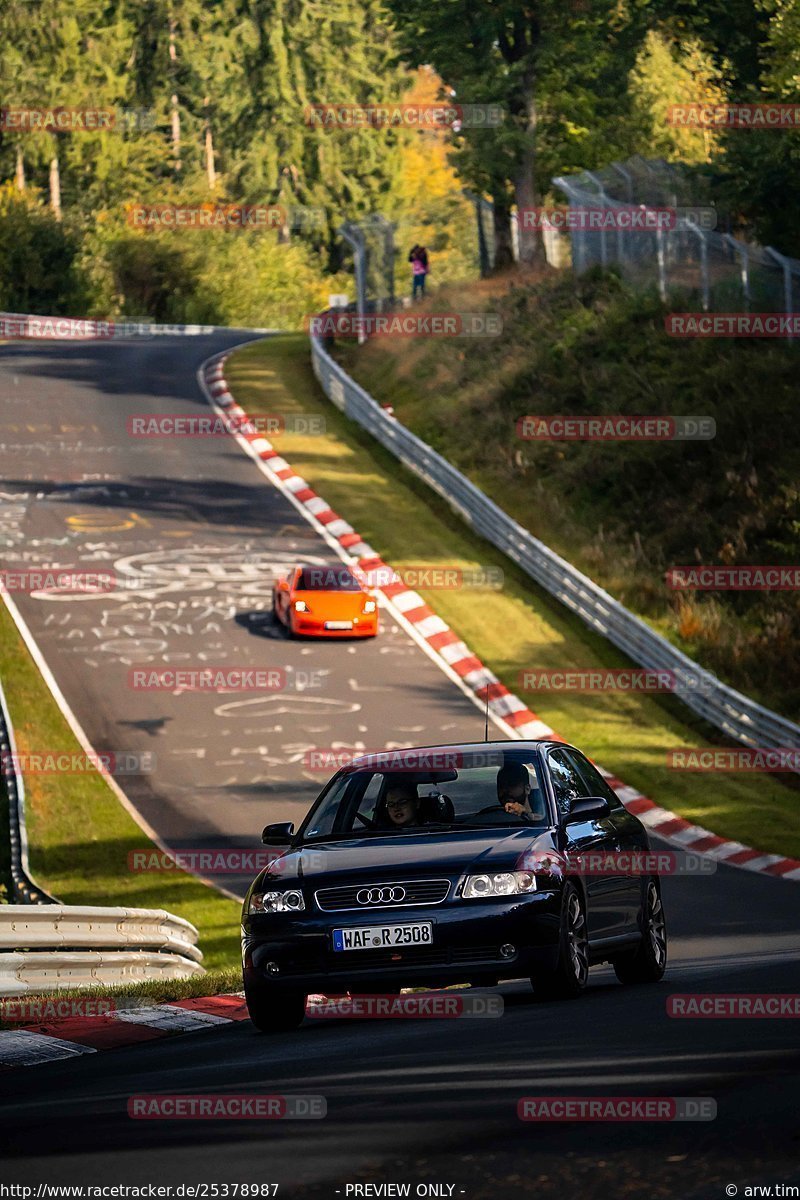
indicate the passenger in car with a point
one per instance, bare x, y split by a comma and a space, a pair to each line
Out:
514, 791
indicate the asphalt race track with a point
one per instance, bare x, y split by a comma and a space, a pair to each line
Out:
195, 536
429, 1102
436, 1101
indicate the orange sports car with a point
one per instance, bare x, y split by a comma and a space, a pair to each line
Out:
326, 601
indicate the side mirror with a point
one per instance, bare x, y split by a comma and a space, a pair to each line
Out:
278, 835
586, 808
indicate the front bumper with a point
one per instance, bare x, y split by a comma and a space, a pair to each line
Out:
305, 626
466, 946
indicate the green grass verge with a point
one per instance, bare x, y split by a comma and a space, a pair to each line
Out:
517, 628
80, 835
154, 991
622, 512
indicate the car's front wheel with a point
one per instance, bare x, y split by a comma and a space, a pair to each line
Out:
648, 962
273, 1011
571, 972
284, 627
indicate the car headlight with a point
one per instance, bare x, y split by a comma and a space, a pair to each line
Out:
369, 606
503, 883
275, 902
301, 606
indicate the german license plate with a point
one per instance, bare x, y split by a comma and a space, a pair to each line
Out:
338, 624
381, 937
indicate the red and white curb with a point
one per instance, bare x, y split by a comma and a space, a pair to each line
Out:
450, 652
74, 1036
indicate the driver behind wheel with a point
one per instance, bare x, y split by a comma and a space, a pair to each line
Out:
514, 790
401, 804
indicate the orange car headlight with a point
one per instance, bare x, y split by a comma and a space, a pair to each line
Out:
301, 606
369, 606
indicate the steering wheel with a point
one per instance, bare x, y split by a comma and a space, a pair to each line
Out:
370, 824
493, 808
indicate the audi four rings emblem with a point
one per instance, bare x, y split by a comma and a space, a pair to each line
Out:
383, 895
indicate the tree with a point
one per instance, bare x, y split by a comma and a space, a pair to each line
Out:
761, 169
667, 74
486, 52
295, 55
732, 30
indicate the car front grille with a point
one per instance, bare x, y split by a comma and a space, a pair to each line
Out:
372, 897
308, 962
416, 956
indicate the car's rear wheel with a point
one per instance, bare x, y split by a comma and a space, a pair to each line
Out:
571, 973
648, 962
273, 1011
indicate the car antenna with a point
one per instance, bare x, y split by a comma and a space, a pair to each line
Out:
486, 717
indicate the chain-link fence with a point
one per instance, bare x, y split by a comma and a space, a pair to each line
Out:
552, 240
371, 241
727, 275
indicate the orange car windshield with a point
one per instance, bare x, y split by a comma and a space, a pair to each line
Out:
327, 579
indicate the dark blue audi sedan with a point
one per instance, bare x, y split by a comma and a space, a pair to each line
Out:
450, 864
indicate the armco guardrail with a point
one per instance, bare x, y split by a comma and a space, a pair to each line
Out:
25, 887
67, 946
730, 711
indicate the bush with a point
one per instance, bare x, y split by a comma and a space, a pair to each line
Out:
39, 267
205, 276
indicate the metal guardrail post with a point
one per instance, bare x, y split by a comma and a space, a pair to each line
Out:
785, 265
355, 239
577, 235
661, 259
626, 175
705, 288
605, 203
484, 256
389, 260
741, 249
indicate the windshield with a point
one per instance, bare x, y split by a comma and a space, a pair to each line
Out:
327, 579
507, 791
